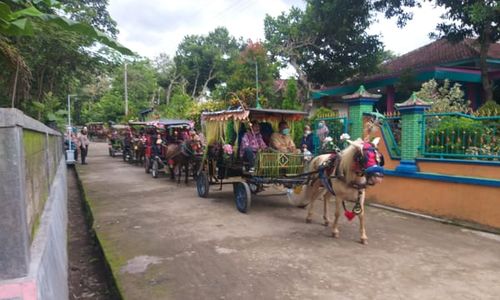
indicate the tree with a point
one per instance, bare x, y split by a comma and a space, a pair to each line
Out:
463, 19
290, 100
326, 43
167, 74
253, 63
201, 59
43, 53
444, 98
141, 85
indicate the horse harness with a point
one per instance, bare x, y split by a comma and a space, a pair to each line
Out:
325, 175
370, 161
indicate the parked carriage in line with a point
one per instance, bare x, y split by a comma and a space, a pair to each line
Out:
136, 149
169, 148
222, 165
116, 135
97, 131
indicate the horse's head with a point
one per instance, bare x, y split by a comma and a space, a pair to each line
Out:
194, 146
362, 163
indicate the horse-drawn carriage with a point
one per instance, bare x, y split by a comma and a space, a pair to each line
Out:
172, 148
137, 141
96, 131
222, 163
116, 136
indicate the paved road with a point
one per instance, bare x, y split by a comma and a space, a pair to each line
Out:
163, 242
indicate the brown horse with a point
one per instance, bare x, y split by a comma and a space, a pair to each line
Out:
179, 156
345, 176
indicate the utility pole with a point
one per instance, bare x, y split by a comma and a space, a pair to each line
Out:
126, 92
257, 104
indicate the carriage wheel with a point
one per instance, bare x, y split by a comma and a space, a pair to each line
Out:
202, 185
146, 165
242, 196
154, 169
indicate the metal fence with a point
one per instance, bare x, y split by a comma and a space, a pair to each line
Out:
460, 136
391, 129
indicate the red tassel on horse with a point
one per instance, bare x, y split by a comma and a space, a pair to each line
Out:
349, 215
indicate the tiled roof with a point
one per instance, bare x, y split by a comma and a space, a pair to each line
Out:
438, 53
361, 93
414, 100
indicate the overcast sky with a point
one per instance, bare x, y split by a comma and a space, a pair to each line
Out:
150, 27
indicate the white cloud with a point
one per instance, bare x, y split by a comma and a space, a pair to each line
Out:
151, 27
414, 35
154, 26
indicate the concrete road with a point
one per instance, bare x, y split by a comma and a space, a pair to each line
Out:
163, 242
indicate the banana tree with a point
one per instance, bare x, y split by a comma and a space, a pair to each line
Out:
16, 19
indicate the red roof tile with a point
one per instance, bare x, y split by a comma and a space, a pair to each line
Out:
437, 53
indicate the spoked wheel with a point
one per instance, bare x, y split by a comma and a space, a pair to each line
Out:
155, 169
146, 165
242, 196
202, 185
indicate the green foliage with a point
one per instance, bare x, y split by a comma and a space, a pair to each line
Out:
17, 17
458, 135
462, 19
290, 100
141, 85
179, 107
327, 42
241, 81
111, 107
490, 108
444, 98
195, 110
204, 60
49, 110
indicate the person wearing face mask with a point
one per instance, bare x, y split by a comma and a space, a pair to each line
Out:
282, 141
307, 139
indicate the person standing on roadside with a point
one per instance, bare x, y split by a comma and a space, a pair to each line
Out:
84, 144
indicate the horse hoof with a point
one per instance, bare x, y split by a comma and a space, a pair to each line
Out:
335, 235
364, 241
308, 221
326, 223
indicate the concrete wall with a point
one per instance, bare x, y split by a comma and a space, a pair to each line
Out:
33, 218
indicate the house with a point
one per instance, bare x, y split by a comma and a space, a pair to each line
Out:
438, 60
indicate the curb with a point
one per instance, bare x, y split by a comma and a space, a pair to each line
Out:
116, 292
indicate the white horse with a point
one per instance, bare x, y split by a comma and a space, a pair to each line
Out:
344, 175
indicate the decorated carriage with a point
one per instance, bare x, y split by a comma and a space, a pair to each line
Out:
165, 138
97, 131
116, 135
222, 163
138, 142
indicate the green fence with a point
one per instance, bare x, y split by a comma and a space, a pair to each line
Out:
460, 136
391, 130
